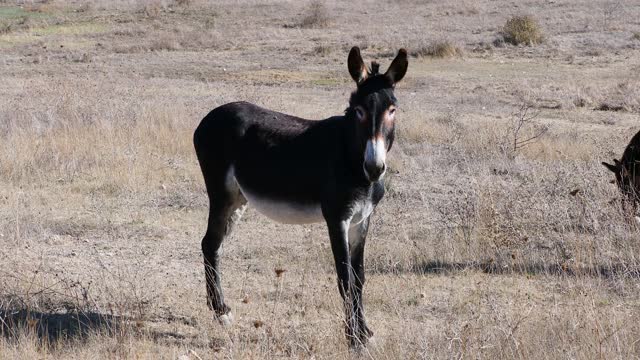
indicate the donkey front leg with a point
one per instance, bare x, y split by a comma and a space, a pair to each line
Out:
357, 237
338, 234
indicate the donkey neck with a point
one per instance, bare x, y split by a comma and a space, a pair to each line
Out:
353, 147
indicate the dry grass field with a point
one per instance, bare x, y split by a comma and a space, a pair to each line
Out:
500, 236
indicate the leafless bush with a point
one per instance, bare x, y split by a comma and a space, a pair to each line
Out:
523, 131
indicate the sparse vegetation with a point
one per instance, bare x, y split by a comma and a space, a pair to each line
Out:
473, 253
439, 49
522, 30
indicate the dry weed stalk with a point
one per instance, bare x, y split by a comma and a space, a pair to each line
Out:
523, 131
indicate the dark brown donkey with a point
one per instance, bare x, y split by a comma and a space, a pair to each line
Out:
627, 171
301, 171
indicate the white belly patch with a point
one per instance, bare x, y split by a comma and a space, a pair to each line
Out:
285, 212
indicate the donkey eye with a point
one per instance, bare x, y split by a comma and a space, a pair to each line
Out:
360, 113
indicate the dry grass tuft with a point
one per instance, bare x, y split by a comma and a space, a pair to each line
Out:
316, 16
322, 50
438, 49
636, 35
165, 43
522, 30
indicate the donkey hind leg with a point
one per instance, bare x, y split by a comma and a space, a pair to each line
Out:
357, 237
225, 210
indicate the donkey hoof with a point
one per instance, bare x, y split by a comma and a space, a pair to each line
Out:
226, 320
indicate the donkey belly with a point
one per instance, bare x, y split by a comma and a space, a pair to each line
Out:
283, 211
286, 212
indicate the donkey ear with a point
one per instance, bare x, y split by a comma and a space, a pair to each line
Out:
357, 68
613, 168
398, 67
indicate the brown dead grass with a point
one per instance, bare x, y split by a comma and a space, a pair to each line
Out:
438, 49
475, 252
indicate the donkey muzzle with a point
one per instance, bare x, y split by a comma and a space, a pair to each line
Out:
374, 159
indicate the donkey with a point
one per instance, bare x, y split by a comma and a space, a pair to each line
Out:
299, 171
627, 171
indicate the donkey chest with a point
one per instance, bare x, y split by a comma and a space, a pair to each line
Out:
361, 210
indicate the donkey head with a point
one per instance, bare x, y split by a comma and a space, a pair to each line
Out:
623, 178
616, 168
373, 106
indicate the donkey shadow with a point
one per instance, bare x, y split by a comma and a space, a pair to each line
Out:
56, 326
610, 271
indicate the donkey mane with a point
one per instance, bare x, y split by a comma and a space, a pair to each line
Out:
376, 82
375, 68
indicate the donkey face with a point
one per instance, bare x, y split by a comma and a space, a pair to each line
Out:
627, 182
617, 170
373, 106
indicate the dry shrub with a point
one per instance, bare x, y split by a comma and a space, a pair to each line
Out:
19, 23
316, 16
86, 7
168, 43
152, 9
522, 30
322, 50
439, 49
5, 27
623, 96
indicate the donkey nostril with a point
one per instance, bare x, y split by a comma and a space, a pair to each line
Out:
383, 168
